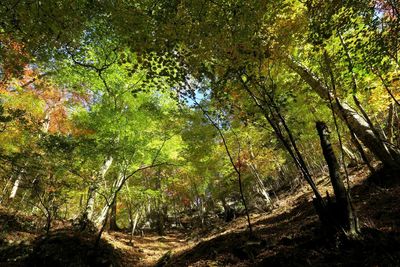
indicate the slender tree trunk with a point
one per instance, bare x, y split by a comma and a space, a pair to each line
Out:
260, 185
66, 211
15, 187
113, 216
134, 224
389, 126
48, 221
387, 155
288, 143
396, 126
201, 210
287, 140
344, 216
21, 202
352, 157
237, 169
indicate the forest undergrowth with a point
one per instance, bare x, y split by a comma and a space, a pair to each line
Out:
289, 235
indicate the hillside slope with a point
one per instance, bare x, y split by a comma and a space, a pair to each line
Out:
290, 235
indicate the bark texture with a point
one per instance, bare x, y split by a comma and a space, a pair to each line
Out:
341, 211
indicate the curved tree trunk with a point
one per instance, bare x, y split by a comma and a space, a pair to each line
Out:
389, 156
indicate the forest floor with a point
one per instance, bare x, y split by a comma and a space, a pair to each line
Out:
289, 235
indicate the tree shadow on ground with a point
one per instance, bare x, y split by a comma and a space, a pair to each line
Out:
69, 248
294, 238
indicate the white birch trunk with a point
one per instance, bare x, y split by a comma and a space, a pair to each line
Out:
15, 186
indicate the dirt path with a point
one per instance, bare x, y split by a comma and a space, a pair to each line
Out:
147, 250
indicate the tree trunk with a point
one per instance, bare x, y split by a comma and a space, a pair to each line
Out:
396, 126
342, 213
15, 187
360, 150
113, 216
201, 210
352, 157
91, 196
134, 223
48, 221
275, 119
103, 214
237, 169
389, 156
260, 185
389, 126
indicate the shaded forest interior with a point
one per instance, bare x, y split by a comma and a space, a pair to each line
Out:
199, 133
